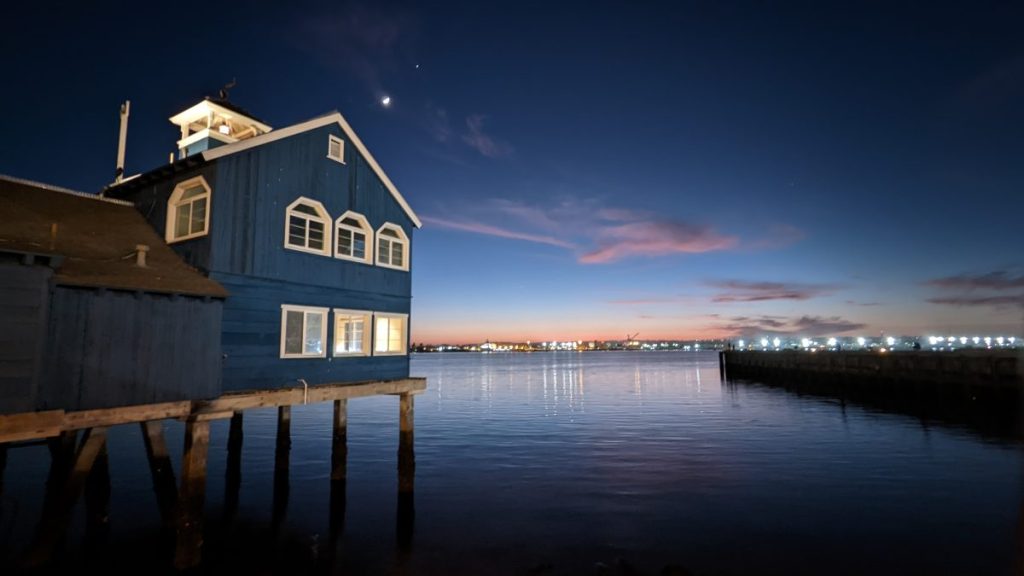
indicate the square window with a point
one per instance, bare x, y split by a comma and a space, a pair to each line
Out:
303, 331
389, 335
351, 333
336, 149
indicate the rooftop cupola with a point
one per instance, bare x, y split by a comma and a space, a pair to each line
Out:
212, 123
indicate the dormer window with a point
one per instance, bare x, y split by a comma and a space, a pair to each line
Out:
307, 227
188, 210
336, 148
392, 247
353, 238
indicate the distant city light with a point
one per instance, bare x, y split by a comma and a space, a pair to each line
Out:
963, 340
764, 342
976, 339
742, 344
1000, 340
890, 341
1012, 339
861, 341
806, 343
385, 101
832, 342
776, 342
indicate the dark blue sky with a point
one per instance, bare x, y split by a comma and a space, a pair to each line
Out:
587, 169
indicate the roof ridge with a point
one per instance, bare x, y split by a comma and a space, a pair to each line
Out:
62, 190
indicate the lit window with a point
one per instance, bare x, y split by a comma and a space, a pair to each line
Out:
336, 148
389, 334
303, 332
392, 247
188, 210
307, 227
353, 237
351, 333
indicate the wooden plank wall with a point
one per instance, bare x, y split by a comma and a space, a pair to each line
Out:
24, 300
108, 348
252, 336
255, 188
151, 201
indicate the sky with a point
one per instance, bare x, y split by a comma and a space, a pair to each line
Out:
587, 170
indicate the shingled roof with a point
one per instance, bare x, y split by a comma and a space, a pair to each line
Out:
96, 239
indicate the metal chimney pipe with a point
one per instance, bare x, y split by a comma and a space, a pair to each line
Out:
121, 141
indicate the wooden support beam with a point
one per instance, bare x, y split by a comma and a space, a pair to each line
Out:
339, 442
30, 425
3, 467
406, 453
55, 519
233, 473
281, 461
35, 425
162, 472
97, 510
192, 495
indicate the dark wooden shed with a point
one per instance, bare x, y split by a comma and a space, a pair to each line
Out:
96, 310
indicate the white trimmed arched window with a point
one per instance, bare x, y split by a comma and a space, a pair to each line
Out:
188, 210
392, 247
353, 238
307, 227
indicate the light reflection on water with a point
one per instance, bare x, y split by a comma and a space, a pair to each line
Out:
548, 463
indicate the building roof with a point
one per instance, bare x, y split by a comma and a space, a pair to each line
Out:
96, 238
273, 136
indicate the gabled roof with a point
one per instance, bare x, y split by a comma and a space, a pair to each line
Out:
319, 122
96, 238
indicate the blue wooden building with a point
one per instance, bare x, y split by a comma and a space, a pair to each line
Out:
304, 230
96, 311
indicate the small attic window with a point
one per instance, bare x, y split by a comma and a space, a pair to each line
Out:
353, 238
307, 227
188, 210
392, 247
336, 148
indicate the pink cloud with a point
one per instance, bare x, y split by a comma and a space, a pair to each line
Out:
481, 142
779, 236
487, 229
741, 291
655, 239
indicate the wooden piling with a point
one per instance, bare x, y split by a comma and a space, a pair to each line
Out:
281, 457
406, 453
339, 444
162, 472
97, 509
406, 473
57, 512
192, 495
233, 473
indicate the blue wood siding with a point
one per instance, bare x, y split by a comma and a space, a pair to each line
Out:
151, 201
252, 335
24, 300
109, 348
257, 185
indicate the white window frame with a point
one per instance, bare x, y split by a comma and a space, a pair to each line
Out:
365, 229
323, 217
331, 139
306, 310
405, 334
403, 239
172, 209
368, 325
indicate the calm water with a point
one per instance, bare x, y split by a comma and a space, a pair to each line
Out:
551, 463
